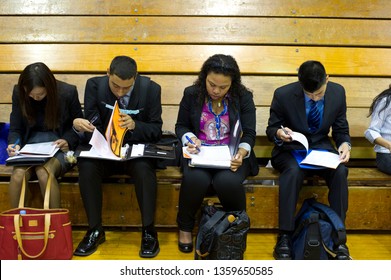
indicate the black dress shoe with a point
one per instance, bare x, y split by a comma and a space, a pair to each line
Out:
90, 242
342, 253
283, 248
185, 247
149, 243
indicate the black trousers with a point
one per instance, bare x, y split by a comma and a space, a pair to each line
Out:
196, 183
291, 180
141, 170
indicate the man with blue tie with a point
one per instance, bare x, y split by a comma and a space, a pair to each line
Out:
311, 106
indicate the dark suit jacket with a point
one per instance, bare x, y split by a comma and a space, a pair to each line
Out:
189, 117
70, 109
288, 109
148, 121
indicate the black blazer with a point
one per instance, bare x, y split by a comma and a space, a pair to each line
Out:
288, 109
189, 117
148, 121
70, 109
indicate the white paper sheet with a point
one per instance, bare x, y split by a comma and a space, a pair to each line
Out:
210, 156
322, 158
315, 157
41, 149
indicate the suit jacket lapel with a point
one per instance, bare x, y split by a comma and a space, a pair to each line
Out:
135, 95
196, 116
326, 109
299, 104
234, 115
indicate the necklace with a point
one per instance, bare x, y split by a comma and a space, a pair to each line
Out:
219, 104
217, 117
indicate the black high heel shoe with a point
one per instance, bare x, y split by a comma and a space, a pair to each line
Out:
185, 247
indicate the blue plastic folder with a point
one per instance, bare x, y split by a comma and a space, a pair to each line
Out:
300, 156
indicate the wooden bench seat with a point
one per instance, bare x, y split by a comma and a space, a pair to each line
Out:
369, 198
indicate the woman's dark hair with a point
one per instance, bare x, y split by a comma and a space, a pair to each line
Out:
387, 94
39, 75
220, 64
312, 75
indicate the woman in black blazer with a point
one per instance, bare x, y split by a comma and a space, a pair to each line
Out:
208, 112
43, 110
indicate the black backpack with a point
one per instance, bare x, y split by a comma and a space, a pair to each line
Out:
318, 230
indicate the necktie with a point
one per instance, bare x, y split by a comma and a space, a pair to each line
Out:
313, 117
123, 102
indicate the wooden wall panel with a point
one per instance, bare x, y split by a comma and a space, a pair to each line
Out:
272, 8
270, 60
195, 30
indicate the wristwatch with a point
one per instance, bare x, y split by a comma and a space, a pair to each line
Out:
349, 145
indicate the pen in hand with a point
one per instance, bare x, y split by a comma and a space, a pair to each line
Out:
283, 129
16, 143
14, 146
94, 119
191, 142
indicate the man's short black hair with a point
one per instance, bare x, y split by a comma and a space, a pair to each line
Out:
312, 75
124, 67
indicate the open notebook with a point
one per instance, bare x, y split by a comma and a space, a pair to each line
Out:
216, 156
33, 154
314, 159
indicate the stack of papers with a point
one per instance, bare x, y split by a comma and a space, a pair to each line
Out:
41, 149
210, 156
33, 154
101, 149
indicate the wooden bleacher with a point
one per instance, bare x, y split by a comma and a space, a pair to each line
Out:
269, 39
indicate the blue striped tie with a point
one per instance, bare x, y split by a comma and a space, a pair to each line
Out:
313, 117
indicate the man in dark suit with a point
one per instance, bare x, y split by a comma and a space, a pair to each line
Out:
133, 92
292, 109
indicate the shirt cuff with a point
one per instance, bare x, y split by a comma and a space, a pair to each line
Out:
188, 134
247, 147
278, 142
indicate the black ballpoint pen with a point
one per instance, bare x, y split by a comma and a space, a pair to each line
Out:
283, 129
94, 119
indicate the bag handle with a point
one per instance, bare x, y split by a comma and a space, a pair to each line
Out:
216, 217
47, 215
47, 191
19, 236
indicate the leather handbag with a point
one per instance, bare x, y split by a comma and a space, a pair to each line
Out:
221, 235
29, 233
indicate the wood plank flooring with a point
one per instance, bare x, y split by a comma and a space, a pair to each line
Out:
125, 245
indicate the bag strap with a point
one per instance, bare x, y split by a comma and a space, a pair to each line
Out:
204, 229
48, 187
47, 191
313, 240
334, 218
19, 236
23, 189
